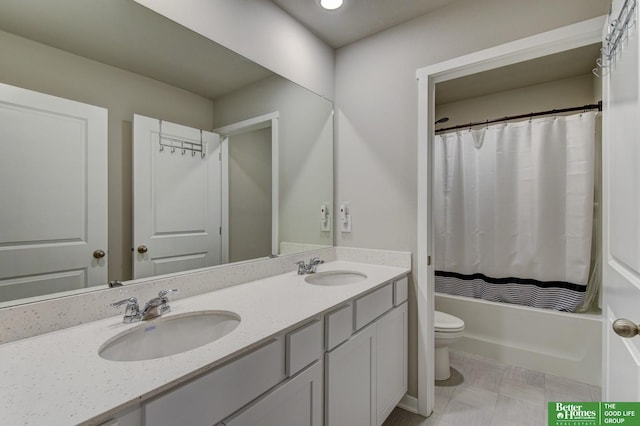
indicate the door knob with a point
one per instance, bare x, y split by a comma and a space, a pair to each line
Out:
99, 254
625, 328
142, 249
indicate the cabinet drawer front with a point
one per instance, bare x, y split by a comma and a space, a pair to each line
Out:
214, 396
400, 290
304, 346
373, 305
338, 326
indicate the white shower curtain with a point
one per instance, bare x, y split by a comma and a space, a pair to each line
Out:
513, 210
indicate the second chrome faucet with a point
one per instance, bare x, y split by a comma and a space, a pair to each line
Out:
154, 308
309, 268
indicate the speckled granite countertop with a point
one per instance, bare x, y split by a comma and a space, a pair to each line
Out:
59, 379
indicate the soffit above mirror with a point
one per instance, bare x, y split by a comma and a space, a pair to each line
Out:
142, 42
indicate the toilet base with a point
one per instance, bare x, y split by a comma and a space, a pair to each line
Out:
441, 361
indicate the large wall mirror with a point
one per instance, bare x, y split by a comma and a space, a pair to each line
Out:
272, 142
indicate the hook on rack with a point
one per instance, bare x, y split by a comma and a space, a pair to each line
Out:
613, 41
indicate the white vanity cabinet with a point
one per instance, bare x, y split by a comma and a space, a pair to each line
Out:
366, 376
346, 368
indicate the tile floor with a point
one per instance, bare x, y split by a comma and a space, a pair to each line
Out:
495, 394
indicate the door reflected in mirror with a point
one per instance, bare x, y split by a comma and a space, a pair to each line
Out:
126, 60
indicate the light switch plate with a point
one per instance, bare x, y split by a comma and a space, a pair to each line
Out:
345, 225
326, 225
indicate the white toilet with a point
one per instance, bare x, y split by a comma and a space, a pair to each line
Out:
448, 329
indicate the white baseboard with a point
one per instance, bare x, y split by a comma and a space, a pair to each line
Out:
409, 403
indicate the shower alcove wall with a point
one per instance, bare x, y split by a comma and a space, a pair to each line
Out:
514, 334
487, 85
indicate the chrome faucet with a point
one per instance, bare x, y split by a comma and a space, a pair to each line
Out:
152, 309
309, 268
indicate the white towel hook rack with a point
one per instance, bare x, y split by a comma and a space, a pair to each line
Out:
183, 145
618, 32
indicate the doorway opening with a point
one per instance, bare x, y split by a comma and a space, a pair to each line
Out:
249, 170
548, 43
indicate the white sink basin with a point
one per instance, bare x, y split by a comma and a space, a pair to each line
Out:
332, 278
169, 336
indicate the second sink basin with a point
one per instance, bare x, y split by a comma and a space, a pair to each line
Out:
332, 278
169, 336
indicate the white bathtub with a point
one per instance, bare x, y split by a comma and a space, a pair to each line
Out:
564, 344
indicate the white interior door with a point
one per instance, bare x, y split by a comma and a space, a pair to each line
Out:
176, 198
53, 196
621, 215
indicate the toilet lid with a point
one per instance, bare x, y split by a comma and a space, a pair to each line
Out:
446, 322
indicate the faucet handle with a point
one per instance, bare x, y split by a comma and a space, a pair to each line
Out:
302, 267
164, 307
132, 301
313, 264
163, 293
132, 313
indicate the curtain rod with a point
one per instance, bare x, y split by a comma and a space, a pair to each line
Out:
597, 106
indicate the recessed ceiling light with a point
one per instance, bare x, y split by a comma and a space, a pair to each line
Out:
331, 4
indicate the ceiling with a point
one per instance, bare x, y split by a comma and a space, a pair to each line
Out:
356, 19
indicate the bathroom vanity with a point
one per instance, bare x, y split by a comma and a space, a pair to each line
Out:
302, 354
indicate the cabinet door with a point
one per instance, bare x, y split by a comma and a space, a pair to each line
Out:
297, 402
350, 385
391, 360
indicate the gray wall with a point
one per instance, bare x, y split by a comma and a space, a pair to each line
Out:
305, 151
377, 119
34, 66
565, 93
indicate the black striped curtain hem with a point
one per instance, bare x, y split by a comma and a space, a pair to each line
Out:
557, 295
